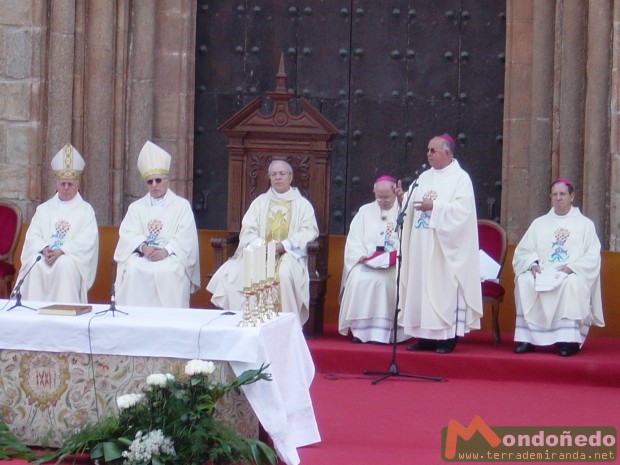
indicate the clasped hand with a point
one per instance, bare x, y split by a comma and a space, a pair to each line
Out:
51, 255
154, 254
535, 268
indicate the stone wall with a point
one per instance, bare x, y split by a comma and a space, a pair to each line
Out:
105, 76
108, 75
22, 90
561, 110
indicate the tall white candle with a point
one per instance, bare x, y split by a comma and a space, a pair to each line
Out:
271, 259
247, 267
259, 263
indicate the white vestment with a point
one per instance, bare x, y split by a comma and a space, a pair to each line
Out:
367, 294
72, 227
290, 208
167, 223
440, 287
565, 313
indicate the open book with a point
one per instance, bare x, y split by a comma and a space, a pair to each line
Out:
65, 309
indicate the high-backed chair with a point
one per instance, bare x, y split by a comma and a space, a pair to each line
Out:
305, 141
10, 227
493, 240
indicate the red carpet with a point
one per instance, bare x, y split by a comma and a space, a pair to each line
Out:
475, 357
399, 420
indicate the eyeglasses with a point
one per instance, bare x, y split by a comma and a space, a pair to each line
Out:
150, 182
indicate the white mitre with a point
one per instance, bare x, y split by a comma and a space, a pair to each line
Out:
153, 160
68, 163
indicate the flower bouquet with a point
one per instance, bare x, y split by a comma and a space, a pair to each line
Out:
173, 421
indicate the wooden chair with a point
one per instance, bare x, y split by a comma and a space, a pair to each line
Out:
305, 141
10, 228
493, 240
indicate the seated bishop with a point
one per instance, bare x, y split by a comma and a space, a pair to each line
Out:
368, 287
282, 215
557, 267
63, 233
157, 251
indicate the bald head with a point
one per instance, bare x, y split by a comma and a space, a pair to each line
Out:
384, 194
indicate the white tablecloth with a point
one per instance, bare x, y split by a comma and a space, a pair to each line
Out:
283, 406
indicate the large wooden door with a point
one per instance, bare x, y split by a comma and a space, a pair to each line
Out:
388, 75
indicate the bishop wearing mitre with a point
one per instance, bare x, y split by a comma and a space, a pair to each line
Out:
63, 233
157, 251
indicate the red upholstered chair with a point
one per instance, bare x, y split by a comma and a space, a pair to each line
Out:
10, 227
493, 240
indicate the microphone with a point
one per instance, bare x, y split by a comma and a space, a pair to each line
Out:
423, 167
112, 308
17, 288
414, 183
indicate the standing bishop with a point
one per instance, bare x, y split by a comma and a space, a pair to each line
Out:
63, 231
157, 251
440, 282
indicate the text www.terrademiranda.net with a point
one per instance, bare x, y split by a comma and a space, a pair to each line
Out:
478, 442
547, 456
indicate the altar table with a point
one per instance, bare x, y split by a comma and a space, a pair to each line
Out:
168, 336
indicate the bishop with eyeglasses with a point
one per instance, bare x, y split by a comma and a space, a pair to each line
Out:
157, 251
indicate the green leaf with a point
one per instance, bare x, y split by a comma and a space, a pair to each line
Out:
112, 451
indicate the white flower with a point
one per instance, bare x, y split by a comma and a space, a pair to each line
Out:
158, 379
128, 400
145, 446
199, 367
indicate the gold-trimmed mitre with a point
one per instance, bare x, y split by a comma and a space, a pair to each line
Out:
153, 160
68, 163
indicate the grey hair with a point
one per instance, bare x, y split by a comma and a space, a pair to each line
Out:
290, 168
392, 184
448, 146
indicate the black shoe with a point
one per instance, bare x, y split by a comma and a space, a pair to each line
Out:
423, 344
524, 347
356, 340
566, 349
446, 346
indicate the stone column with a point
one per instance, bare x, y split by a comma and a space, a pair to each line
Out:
539, 172
517, 117
99, 108
140, 96
614, 139
61, 61
596, 162
174, 89
570, 92
119, 122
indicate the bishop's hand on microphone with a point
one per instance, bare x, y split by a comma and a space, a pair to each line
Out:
400, 193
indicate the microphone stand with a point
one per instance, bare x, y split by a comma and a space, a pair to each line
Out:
17, 291
112, 308
393, 370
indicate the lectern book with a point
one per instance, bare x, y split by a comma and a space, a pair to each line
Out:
65, 309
